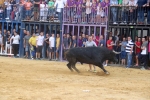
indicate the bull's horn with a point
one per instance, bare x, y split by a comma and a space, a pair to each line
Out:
114, 52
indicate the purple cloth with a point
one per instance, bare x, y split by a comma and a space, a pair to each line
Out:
79, 10
103, 4
79, 2
80, 43
70, 3
94, 7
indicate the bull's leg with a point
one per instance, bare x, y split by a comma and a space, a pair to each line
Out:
102, 67
74, 67
69, 66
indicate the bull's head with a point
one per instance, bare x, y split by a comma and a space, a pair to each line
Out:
113, 57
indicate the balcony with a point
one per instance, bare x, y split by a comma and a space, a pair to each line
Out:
129, 15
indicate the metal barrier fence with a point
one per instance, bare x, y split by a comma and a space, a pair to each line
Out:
82, 15
129, 15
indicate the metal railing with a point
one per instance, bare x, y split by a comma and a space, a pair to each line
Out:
129, 15
83, 15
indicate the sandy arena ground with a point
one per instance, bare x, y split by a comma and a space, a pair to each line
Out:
22, 79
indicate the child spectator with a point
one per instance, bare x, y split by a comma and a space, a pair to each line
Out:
137, 50
51, 46
1, 13
51, 10
123, 52
88, 10
8, 41
28, 6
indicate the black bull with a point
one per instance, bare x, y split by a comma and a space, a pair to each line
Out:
89, 55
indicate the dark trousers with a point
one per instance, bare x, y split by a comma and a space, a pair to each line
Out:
15, 49
143, 59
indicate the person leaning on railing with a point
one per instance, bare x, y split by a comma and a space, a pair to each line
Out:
148, 11
1, 12
28, 6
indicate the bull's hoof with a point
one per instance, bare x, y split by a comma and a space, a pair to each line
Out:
107, 73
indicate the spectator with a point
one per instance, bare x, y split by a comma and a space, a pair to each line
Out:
36, 9
28, 6
97, 39
51, 46
80, 41
39, 45
74, 42
70, 5
15, 43
83, 11
79, 12
102, 41
148, 12
69, 41
129, 51
1, 13
113, 9
9, 9
110, 45
144, 54
123, 51
32, 42
21, 10
8, 41
149, 48
43, 11
132, 10
57, 46
117, 49
90, 43
60, 5
88, 10
93, 11
4, 40
47, 45
26, 44
1, 39
51, 10
125, 9
137, 50
65, 45
140, 4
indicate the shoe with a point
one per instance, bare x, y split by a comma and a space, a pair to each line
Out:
105, 65
143, 68
130, 23
121, 23
94, 71
115, 23
89, 70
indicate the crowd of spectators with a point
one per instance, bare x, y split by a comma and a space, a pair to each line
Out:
130, 11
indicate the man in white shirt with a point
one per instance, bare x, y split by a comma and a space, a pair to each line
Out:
59, 5
39, 44
144, 54
51, 47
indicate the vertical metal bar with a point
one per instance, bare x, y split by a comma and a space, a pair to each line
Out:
94, 31
89, 30
44, 46
73, 30
78, 35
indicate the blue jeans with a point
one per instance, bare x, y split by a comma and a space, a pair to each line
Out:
28, 12
8, 13
114, 13
140, 14
133, 16
60, 17
129, 59
1, 15
148, 16
33, 52
125, 15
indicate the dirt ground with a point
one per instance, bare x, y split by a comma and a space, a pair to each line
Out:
22, 79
